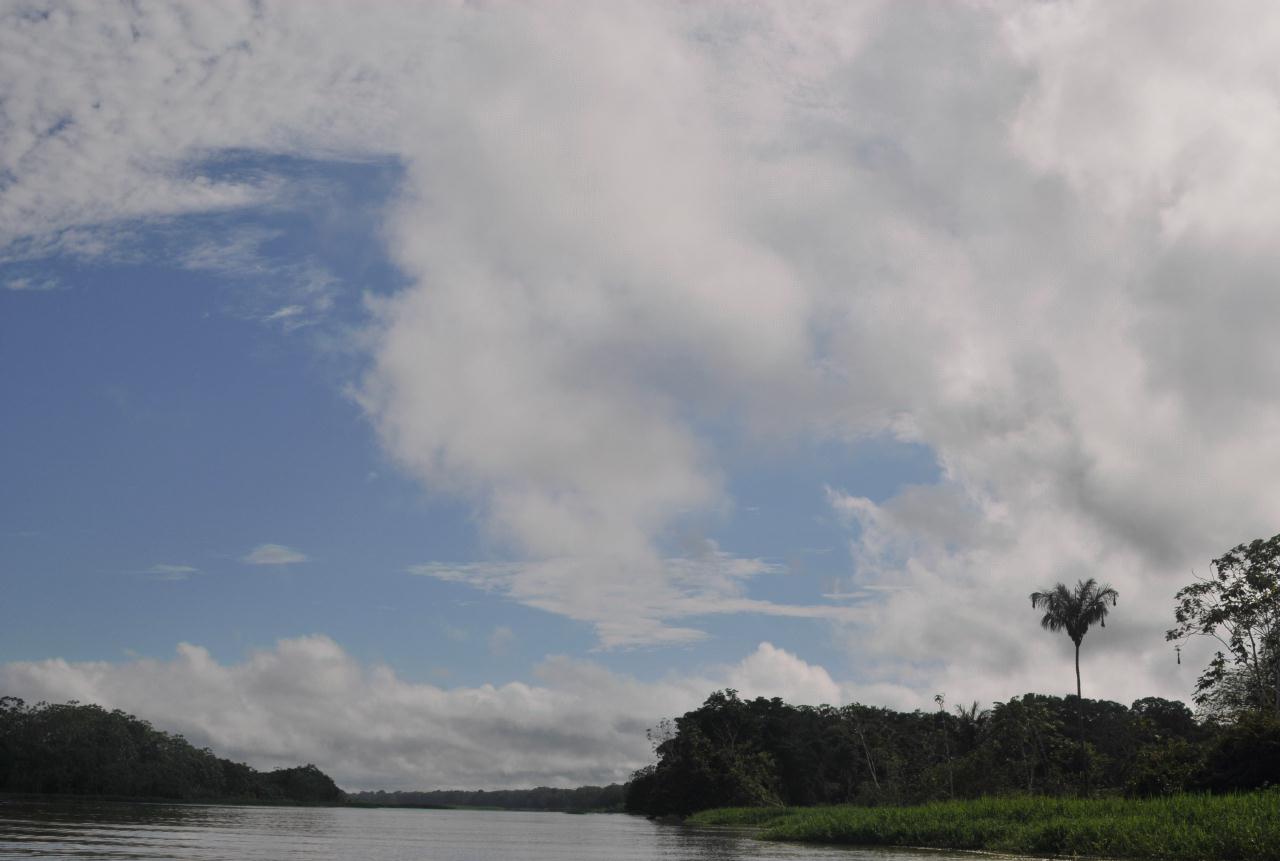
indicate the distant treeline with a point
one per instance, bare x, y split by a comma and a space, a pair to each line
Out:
732, 752
584, 799
87, 750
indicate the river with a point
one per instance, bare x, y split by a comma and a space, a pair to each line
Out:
95, 830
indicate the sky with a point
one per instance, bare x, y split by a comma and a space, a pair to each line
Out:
444, 393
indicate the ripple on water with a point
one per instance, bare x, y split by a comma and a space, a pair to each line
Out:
96, 830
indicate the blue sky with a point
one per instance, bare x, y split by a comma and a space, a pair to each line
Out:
445, 394
171, 427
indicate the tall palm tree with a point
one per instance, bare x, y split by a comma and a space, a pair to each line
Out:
1075, 611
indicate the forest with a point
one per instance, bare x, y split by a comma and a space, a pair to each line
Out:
86, 750
732, 752
583, 799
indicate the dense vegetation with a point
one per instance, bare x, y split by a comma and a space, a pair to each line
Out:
584, 799
1238, 606
87, 750
763, 752
1237, 826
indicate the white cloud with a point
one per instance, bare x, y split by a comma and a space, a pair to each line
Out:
307, 700
596, 590
784, 675
284, 313
1035, 238
290, 294
273, 554
32, 285
163, 571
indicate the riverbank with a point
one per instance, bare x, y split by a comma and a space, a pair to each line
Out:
1237, 827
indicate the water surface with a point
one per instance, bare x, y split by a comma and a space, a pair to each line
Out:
95, 830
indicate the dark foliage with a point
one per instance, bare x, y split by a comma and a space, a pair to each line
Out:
1239, 606
1245, 755
584, 799
763, 752
304, 782
87, 750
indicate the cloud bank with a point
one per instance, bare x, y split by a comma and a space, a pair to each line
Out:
306, 700
1032, 237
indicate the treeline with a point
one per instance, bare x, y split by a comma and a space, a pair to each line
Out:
584, 799
732, 752
87, 750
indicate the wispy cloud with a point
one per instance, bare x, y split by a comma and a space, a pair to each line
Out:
163, 571
631, 604
285, 313
33, 285
238, 252
273, 554
290, 293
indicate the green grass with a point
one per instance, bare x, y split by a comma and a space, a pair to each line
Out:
1242, 827
749, 815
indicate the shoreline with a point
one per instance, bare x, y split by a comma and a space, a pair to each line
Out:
1233, 827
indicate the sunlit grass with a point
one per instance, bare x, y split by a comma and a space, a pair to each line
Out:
1244, 826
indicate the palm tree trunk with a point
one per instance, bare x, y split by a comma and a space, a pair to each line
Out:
1084, 752
1078, 671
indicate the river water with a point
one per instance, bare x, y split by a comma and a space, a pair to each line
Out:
63, 829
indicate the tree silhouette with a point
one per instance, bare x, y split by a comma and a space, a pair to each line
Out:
1075, 611
1239, 606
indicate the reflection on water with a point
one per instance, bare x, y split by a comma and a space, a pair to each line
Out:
71, 829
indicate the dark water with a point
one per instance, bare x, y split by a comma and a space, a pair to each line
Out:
198, 833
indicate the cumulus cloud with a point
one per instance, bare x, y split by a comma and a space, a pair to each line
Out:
307, 700
273, 554
1035, 238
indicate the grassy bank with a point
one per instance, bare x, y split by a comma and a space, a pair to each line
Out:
1229, 827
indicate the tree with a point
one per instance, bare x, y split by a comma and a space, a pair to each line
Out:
1075, 611
1239, 606
1246, 755
87, 750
